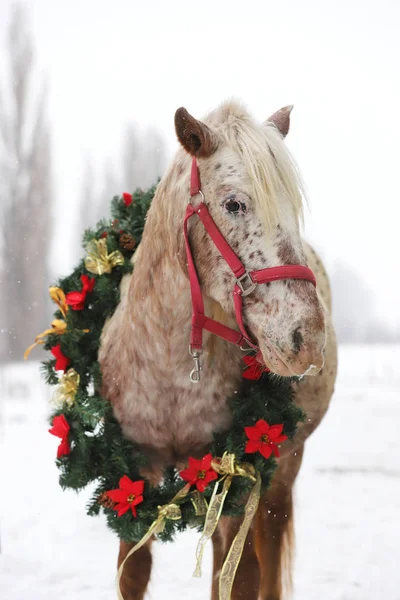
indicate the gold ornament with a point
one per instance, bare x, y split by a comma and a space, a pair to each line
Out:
98, 261
66, 390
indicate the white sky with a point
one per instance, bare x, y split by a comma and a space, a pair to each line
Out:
109, 62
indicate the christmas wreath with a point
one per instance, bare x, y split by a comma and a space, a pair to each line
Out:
93, 450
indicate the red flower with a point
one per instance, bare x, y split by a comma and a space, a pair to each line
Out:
127, 198
76, 300
264, 438
104, 234
255, 367
61, 429
88, 283
128, 495
62, 361
199, 472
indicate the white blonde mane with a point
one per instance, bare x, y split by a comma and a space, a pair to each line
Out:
272, 173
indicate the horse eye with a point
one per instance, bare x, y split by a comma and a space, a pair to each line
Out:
232, 206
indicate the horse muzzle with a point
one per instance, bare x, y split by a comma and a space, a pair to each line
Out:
297, 357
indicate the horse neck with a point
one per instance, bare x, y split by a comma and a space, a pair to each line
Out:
159, 300
159, 305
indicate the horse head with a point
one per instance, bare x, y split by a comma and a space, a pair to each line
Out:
254, 194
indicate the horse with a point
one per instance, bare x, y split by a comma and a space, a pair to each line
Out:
253, 192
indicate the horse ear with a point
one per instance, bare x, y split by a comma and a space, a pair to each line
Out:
281, 119
195, 136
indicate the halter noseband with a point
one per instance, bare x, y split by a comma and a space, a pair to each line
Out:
246, 281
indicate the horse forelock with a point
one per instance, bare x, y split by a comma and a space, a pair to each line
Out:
270, 168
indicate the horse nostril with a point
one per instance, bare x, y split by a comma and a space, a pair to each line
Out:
297, 339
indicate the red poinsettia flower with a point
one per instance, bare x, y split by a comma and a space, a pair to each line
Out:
199, 472
61, 429
127, 496
264, 438
127, 198
76, 300
62, 361
87, 283
104, 234
255, 367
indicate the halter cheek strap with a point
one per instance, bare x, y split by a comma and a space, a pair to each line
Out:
246, 281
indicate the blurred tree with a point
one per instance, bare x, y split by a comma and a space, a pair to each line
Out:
352, 304
25, 195
142, 162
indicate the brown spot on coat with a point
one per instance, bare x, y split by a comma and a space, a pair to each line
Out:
286, 253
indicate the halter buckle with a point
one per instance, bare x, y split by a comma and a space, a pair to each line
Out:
245, 280
199, 193
194, 374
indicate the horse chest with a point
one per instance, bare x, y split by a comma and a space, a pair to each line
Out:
175, 418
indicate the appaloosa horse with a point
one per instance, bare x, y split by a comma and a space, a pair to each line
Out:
253, 193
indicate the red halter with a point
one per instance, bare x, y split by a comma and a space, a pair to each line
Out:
246, 281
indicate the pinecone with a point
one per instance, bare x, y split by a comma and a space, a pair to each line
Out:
127, 242
105, 500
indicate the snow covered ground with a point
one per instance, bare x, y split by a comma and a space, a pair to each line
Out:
347, 500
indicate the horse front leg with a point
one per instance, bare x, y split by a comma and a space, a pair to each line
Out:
137, 569
218, 558
247, 580
274, 531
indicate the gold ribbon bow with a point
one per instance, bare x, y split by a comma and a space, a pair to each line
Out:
98, 260
228, 468
66, 390
170, 511
58, 326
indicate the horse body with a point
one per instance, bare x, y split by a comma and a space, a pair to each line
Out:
144, 352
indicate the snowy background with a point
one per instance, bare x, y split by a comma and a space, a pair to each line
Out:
88, 90
347, 501
110, 75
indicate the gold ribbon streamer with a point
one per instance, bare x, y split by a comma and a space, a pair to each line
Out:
168, 511
98, 260
228, 468
231, 563
212, 518
67, 388
199, 504
58, 326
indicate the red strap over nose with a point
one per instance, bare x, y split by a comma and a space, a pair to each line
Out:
283, 272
